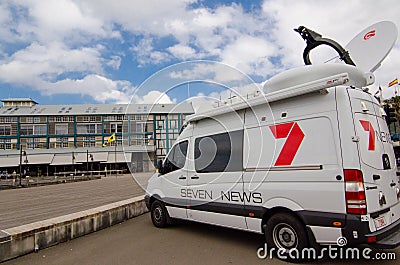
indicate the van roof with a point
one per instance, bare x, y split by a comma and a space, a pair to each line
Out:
292, 83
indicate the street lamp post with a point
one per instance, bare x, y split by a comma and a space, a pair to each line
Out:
26, 170
21, 153
91, 165
73, 164
87, 162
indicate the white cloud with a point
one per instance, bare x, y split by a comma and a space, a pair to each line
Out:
145, 53
100, 88
153, 97
47, 62
62, 20
207, 71
182, 52
250, 54
5, 21
147, 17
114, 62
202, 102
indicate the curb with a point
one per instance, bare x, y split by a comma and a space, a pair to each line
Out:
21, 240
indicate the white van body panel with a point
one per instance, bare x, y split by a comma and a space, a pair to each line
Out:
326, 235
316, 161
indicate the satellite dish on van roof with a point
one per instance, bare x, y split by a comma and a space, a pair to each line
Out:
371, 46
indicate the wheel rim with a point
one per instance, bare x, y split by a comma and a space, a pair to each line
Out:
285, 236
157, 214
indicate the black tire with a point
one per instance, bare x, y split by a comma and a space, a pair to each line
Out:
284, 231
159, 214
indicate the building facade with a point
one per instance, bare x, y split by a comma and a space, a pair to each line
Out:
61, 138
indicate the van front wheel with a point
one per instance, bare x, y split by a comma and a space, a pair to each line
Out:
284, 231
158, 214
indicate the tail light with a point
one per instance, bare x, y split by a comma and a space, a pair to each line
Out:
355, 192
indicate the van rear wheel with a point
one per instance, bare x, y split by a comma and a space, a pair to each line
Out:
284, 231
159, 214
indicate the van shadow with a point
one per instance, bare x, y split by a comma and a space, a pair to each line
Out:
251, 242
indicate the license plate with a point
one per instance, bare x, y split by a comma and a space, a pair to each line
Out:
380, 222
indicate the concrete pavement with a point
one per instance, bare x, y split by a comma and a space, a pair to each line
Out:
39, 217
137, 241
23, 206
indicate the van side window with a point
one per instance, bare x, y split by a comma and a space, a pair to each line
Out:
219, 152
176, 158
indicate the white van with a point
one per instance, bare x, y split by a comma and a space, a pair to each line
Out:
308, 160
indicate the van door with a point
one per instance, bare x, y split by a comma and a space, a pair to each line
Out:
174, 179
215, 186
378, 163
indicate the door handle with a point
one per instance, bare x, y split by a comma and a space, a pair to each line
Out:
194, 177
182, 177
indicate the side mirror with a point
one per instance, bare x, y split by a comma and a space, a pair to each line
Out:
160, 167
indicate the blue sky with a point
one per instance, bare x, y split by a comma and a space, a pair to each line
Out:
98, 51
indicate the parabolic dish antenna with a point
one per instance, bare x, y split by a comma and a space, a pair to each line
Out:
371, 46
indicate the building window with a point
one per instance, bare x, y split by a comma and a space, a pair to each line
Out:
137, 126
89, 141
62, 142
116, 127
91, 118
137, 139
86, 128
30, 143
113, 118
5, 143
35, 143
26, 130
139, 117
173, 124
61, 119
40, 129
160, 124
8, 119
61, 129
5, 130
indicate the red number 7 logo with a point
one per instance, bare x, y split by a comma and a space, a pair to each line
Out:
367, 126
294, 136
